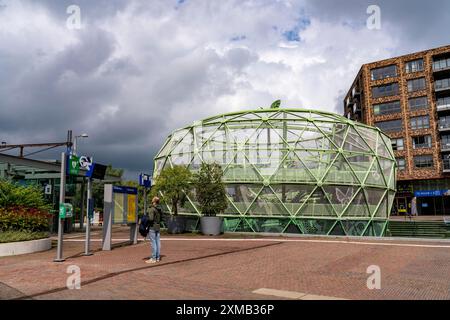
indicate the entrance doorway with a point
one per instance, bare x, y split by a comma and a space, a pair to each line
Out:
402, 204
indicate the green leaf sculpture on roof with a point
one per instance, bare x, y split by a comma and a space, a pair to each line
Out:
276, 104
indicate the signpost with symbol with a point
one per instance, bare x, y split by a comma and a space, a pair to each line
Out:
145, 180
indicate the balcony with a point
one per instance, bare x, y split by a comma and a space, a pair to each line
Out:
444, 124
441, 66
443, 107
442, 85
446, 165
445, 146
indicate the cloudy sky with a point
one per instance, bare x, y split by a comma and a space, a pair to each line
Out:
136, 70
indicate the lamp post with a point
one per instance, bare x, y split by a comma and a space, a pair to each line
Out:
84, 135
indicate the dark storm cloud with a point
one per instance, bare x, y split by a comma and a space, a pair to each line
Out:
139, 69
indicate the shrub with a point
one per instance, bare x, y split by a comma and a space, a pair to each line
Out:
24, 219
210, 189
14, 195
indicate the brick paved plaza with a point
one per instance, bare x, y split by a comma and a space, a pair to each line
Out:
228, 267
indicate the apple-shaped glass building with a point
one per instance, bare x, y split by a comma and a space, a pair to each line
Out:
290, 171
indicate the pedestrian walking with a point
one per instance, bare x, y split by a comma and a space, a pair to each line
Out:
154, 216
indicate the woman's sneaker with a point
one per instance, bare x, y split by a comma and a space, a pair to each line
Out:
150, 260
158, 259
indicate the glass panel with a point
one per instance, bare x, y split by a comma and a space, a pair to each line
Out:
267, 203
354, 228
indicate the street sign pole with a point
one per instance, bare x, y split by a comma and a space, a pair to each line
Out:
89, 214
62, 197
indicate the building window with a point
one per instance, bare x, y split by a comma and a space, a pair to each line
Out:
445, 142
401, 163
424, 161
384, 72
444, 122
421, 142
422, 122
418, 103
385, 90
442, 84
414, 66
416, 84
441, 64
390, 126
386, 108
443, 103
397, 144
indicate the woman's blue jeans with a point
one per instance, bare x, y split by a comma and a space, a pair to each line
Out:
155, 241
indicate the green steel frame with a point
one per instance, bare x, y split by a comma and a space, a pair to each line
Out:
291, 171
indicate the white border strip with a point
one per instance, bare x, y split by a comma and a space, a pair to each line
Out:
288, 240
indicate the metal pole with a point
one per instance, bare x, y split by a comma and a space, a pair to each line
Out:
89, 212
62, 197
145, 200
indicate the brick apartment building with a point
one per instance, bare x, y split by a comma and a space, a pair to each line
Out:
408, 97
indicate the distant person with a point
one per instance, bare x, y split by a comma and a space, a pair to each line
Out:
154, 215
414, 207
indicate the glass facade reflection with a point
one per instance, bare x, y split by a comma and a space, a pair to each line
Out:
291, 171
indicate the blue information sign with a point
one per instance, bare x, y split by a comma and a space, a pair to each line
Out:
432, 193
145, 180
128, 190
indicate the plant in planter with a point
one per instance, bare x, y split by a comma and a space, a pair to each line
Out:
172, 185
211, 197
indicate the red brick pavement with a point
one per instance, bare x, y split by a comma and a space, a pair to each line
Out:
232, 270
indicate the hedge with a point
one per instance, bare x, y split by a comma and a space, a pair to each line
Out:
24, 219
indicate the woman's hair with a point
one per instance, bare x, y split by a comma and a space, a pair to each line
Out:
155, 200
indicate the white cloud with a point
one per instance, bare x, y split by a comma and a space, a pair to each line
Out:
139, 72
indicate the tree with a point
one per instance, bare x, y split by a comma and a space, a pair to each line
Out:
210, 189
172, 185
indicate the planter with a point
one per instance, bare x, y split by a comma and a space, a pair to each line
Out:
23, 247
176, 224
211, 226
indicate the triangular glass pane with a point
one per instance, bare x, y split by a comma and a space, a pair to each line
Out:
373, 196
230, 224
338, 134
338, 230
340, 172
360, 164
378, 227
242, 196
178, 160
382, 211
243, 226
204, 133
369, 136
315, 161
375, 175
340, 195
292, 170
315, 226
195, 164
354, 227
275, 225
240, 169
293, 228
317, 205
267, 204
370, 232
358, 207
387, 166
293, 196
354, 142
382, 149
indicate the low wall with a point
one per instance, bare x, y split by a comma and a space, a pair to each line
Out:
23, 247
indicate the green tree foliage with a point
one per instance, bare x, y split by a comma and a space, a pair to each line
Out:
172, 185
23, 208
15, 195
210, 189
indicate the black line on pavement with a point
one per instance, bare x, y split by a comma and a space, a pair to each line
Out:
114, 274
